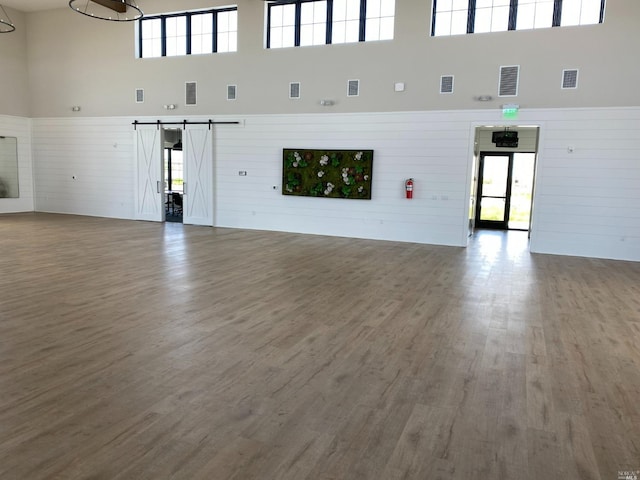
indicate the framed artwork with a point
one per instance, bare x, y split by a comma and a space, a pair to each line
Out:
327, 173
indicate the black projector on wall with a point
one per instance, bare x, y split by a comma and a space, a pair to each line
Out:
505, 138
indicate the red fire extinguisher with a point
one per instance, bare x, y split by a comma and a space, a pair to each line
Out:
408, 186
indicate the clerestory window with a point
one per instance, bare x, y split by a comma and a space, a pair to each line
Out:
188, 33
456, 17
299, 23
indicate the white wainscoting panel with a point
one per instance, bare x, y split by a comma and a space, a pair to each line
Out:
98, 152
586, 202
425, 147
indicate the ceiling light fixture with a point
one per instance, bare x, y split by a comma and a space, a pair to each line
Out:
111, 10
6, 25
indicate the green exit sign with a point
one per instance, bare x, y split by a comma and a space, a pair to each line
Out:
510, 112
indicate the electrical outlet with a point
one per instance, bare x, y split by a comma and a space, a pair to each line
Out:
242, 173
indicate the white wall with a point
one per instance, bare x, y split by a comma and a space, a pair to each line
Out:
98, 152
431, 149
586, 203
20, 128
74, 60
14, 109
14, 78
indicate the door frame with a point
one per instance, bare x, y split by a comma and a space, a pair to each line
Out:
150, 185
467, 227
494, 224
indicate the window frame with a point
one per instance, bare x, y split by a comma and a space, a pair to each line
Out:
187, 15
513, 16
329, 22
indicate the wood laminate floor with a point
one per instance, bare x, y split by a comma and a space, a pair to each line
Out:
132, 350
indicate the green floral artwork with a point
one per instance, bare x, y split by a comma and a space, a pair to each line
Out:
327, 173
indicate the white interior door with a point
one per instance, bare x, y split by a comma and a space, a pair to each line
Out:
149, 179
197, 150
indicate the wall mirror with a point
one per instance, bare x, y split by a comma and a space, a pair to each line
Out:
8, 167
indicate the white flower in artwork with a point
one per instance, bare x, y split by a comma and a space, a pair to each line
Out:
320, 174
329, 188
360, 189
324, 160
295, 164
359, 156
297, 155
366, 177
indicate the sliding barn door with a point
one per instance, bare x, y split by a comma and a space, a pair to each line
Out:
149, 179
197, 148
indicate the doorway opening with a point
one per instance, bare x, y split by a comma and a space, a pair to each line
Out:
188, 197
503, 179
505, 188
173, 175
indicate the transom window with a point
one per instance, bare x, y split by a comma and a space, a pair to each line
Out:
189, 33
297, 23
455, 17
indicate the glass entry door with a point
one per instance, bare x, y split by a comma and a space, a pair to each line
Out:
493, 191
505, 186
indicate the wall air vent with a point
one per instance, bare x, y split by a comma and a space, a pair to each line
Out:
232, 92
570, 78
190, 94
446, 84
353, 88
294, 90
509, 78
139, 95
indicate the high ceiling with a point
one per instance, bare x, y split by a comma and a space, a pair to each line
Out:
34, 5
